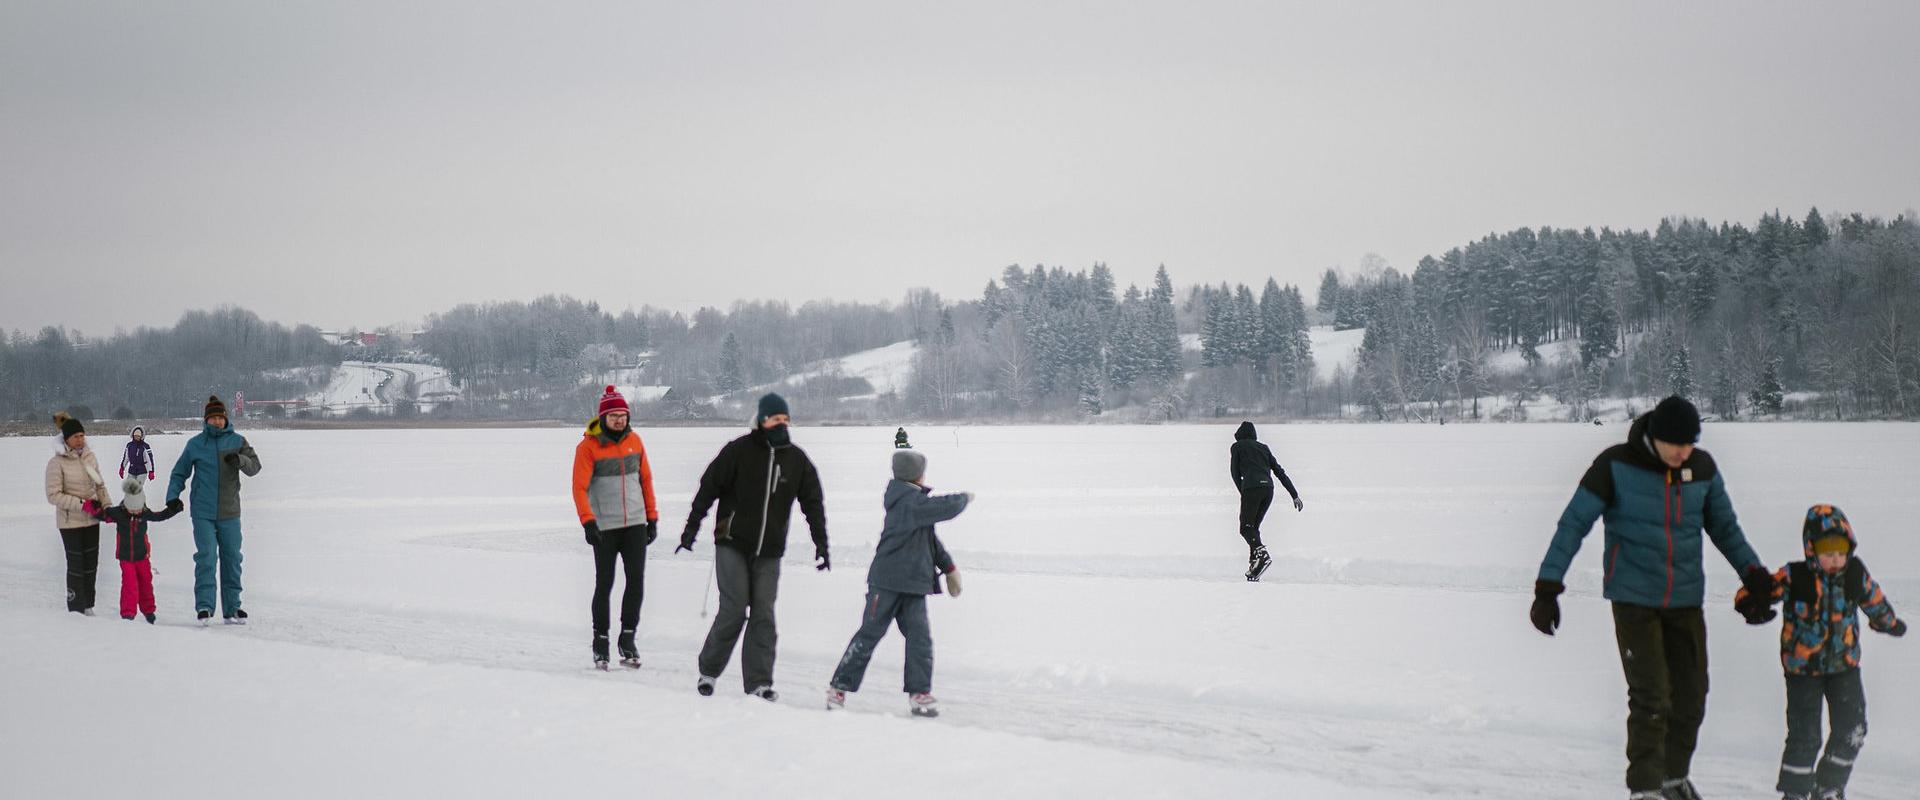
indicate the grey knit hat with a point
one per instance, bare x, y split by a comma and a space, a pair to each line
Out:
909, 465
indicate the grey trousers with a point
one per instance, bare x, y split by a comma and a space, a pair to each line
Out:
885, 608
747, 594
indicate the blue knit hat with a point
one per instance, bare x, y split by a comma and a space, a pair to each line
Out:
771, 404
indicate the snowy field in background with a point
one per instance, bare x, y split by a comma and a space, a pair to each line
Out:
420, 607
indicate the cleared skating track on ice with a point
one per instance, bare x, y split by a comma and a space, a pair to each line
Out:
1105, 633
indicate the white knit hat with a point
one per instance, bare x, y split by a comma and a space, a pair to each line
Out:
135, 495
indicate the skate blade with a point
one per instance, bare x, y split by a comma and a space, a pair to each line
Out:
927, 713
630, 663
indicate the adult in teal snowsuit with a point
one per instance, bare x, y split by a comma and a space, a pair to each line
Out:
214, 460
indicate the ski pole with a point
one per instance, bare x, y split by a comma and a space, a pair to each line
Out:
706, 593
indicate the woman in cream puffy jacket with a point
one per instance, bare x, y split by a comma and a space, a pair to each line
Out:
73, 477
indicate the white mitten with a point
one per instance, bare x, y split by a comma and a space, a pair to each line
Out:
953, 583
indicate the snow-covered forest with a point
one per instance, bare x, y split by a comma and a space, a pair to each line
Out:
1811, 316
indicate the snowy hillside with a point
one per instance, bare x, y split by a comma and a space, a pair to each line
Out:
375, 386
419, 600
1335, 349
888, 369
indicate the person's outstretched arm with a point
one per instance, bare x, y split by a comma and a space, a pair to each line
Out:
1281, 473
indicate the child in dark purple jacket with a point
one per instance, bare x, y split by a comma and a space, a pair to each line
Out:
138, 456
131, 546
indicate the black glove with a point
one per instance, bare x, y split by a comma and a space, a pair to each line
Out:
653, 531
1298, 504
175, 505
820, 555
1899, 629
1758, 607
593, 532
1546, 606
686, 538
232, 459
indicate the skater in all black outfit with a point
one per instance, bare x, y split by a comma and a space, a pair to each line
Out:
1254, 468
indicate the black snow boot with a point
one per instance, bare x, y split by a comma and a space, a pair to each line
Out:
1261, 561
600, 651
629, 656
1679, 789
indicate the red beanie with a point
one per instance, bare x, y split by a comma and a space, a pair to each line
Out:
612, 401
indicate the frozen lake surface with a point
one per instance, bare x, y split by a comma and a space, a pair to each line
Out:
420, 625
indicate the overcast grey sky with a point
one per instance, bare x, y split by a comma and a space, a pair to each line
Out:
366, 163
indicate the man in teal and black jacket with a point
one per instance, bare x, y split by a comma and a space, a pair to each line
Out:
1658, 495
215, 460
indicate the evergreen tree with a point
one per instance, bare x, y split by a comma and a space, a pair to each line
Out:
1246, 327
1128, 357
1768, 397
1162, 286
1214, 350
1101, 286
1329, 292
1165, 359
1302, 355
1813, 232
1680, 371
732, 377
1090, 403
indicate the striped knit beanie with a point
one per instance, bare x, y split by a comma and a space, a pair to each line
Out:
612, 401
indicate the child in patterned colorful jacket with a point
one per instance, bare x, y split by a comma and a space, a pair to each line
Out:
1820, 649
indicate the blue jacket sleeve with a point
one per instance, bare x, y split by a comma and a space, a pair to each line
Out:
1724, 528
1576, 521
182, 470
938, 508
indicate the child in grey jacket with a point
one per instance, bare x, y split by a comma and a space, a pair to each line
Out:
907, 565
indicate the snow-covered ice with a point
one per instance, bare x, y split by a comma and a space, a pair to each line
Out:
420, 625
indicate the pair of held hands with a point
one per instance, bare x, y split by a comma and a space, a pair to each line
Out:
1757, 607
686, 541
92, 508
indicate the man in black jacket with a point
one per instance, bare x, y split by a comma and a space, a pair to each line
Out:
756, 478
1251, 462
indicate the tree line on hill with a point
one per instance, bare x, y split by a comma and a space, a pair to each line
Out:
1811, 314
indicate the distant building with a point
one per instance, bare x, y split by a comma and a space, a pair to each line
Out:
646, 394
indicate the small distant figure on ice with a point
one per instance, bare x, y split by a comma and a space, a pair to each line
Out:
907, 566
131, 545
1251, 463
138, 456
900, 439
1820, 650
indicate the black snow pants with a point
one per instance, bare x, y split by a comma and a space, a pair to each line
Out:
83, 565
1802, 769
629, 546
1664, 653
1254, 502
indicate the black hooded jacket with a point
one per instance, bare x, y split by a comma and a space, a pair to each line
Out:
756, 483
1251, 461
